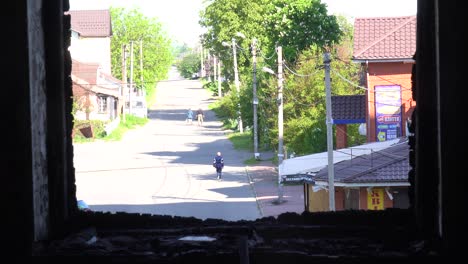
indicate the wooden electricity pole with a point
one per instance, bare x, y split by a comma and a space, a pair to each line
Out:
124, 79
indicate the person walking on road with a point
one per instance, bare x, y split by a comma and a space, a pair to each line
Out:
189, 116
200, 116
218, 164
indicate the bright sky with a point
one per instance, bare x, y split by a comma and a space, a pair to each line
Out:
180, 17
371, 8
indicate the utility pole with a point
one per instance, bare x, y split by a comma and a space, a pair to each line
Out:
220, 92
255, 99
124, 78
207, 65
280, 120
141, 66
236, 81
131, 79
202, 67
214, 68
331, 169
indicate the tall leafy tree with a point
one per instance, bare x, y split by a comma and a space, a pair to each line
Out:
304, 95
223, 19
294, 24
131, 25
304, 30
297, 24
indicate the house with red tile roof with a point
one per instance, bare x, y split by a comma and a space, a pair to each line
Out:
98, 95
385, 47
91, 37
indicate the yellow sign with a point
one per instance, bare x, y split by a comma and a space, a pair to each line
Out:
381, 136
375, 199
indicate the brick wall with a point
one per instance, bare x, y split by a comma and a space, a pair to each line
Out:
395, 73
341, 136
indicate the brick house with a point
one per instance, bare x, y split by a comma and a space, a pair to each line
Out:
97, 93
385, 47
91, 37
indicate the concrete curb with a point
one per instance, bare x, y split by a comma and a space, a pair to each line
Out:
252, 185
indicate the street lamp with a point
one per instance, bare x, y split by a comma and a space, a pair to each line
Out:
254, 98
268, 70
280, 119
131, 79
239, 34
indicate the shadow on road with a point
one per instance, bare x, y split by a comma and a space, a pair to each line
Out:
225, 210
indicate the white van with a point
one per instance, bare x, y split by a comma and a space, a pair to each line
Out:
139, 107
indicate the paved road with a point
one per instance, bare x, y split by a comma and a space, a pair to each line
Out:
165, 167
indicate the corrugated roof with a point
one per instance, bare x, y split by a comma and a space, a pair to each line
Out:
394, 172
384, 38
313, 163
383, 166
91, 23
348, 109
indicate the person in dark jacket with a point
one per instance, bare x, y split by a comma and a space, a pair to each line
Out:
218, 164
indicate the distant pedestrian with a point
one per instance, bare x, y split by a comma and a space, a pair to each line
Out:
218, 164
200, 116
189, 116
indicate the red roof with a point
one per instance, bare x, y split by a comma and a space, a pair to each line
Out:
85, 75
85, 71
91, 23
384, 38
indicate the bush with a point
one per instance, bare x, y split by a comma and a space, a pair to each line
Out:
212, 87
99, 132
189, 65
97, 127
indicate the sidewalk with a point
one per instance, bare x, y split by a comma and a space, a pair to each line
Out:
264, 180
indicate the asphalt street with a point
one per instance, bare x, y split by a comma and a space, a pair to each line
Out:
165, 167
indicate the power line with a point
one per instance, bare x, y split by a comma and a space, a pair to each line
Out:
266, 58
298, 74
404, 88
291, 96
348, 81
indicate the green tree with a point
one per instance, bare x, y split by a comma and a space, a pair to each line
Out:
304, 96
179, 51
223, 19
305, 31
189, 65
293, 24
131, 25
297, 24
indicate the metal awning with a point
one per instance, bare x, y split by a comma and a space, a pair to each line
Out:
310, 164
